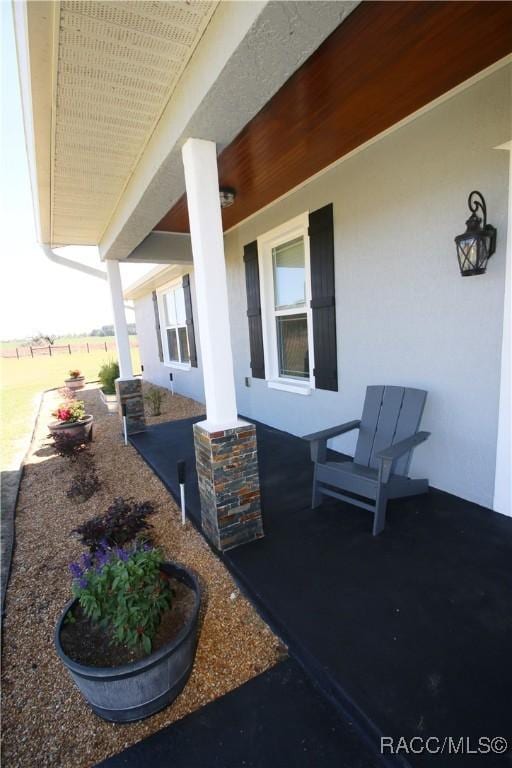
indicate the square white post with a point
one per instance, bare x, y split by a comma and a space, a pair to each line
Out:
503, 476
225, 447
128, 390
120, 325
202, 183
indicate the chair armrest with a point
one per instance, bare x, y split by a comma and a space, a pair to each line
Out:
318, 440
388, 455
398, 449
326, 434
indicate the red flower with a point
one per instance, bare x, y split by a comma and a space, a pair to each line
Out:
63, 414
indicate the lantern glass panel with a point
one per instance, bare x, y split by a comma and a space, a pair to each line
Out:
473, 253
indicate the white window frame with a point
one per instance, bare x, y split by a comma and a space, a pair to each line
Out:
160, 295
296, 227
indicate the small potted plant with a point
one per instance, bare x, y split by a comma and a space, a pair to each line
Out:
72, 421
107, 375
129, 636
75, 380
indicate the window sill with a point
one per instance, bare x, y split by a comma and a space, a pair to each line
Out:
179, 366
286, 386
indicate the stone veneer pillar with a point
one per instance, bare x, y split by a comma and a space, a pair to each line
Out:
229, 486
129, 391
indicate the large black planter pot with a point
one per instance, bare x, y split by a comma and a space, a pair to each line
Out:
137, 690
75, 429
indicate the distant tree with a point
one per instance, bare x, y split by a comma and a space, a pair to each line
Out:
108, 330
44, 338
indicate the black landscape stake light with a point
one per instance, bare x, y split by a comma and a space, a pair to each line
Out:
181, 470
125, 428
171, 379
478, 243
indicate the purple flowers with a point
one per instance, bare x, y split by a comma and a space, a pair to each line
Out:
78, 574
94, 563
102, 557
122, 554
76, 571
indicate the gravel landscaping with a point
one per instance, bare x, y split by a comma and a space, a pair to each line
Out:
45, 720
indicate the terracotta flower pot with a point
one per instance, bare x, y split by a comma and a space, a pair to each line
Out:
76, 382
76, 429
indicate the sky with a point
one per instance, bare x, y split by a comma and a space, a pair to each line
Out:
35, 294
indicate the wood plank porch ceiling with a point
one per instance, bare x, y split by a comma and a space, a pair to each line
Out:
387, 60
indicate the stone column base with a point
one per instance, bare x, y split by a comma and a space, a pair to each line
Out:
129, 391
229, 484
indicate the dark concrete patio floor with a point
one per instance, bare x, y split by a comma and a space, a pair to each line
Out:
276, 720
408, 633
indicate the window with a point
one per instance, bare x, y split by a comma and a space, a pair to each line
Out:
286, 294
174, 326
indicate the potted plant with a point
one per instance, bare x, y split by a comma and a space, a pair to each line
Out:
75, 380
107, 375
72, 421
129, 636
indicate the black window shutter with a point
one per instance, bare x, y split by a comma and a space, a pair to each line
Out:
323, 305
252, 283
190, 321
157, 328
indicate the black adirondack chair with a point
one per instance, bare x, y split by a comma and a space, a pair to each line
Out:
388, 433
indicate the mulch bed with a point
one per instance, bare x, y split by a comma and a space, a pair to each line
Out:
46, 722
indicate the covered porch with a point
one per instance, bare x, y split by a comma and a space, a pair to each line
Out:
407, 633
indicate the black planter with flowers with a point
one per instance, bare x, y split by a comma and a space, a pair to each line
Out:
72, 421
126, 594
75, 380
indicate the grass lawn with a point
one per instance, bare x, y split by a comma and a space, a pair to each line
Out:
22, 380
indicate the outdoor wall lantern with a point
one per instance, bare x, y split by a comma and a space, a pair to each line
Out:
478, 243
227, 196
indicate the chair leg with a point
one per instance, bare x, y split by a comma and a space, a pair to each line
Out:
317, 495
379, 516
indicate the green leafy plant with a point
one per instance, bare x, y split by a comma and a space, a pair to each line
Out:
125, 592
107, 375
123, 521
70, 411
154, 399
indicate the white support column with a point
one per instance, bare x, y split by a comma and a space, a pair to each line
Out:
202, 183
503, 478
120, 325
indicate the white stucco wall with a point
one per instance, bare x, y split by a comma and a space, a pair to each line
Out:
186, 382
404, 314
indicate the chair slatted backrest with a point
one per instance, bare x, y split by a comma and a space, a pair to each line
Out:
390, 414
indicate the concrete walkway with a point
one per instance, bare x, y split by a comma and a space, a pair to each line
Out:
409, 633
276, 720
10, 483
